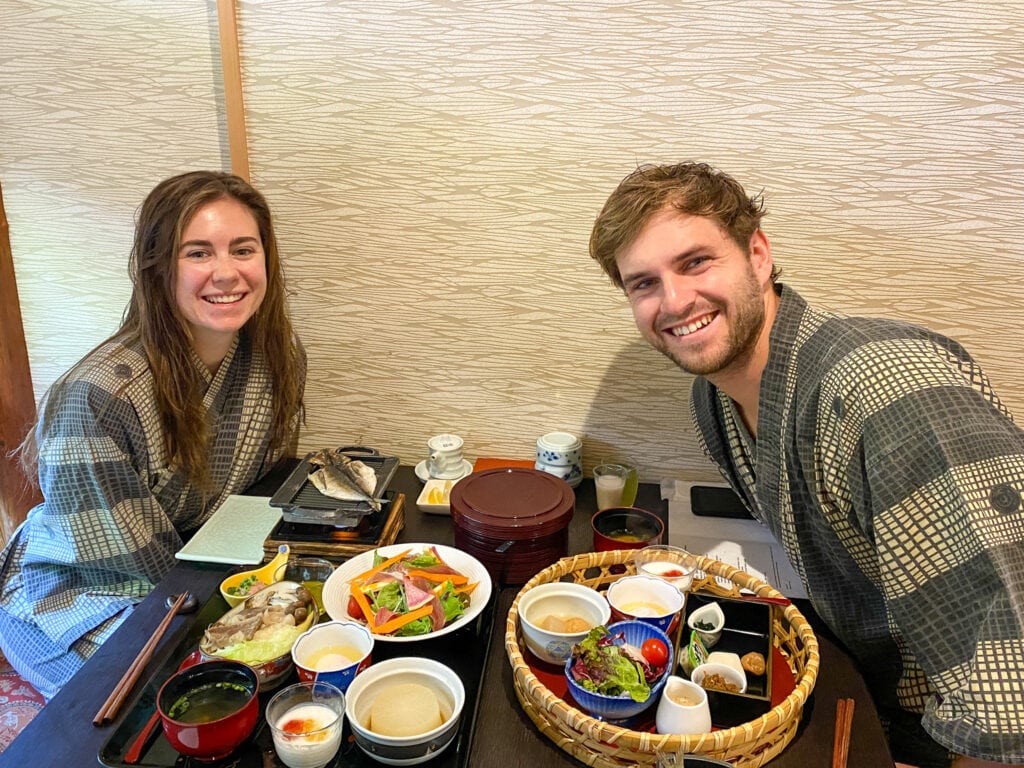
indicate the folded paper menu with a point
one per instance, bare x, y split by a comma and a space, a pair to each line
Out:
743, 544
235, 533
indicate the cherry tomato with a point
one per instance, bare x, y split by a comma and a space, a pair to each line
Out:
353, 608
654, 651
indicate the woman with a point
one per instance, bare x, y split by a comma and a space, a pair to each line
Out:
195, 397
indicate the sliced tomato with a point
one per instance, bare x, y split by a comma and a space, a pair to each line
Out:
354, 610
655, 651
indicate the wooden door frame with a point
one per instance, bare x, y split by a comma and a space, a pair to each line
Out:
18, 494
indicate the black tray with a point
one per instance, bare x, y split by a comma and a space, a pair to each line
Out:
301, 502
464, 650
748, 627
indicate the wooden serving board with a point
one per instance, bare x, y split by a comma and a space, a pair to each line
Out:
338, 543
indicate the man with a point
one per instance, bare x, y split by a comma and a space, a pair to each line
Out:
875, 451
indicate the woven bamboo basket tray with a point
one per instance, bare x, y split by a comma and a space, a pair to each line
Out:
602, 744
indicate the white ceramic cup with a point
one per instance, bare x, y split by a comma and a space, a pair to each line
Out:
683, 708
560, 449
445, 462
318, 709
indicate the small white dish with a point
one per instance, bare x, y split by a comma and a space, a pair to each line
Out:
437, 488
729, 660
424, 474
708, 621
726, 672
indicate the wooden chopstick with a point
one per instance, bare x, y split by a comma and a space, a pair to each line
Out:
124, 686
841, 740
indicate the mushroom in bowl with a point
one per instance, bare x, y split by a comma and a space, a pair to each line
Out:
261, 630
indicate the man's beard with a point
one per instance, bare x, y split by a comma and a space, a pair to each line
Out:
744, 328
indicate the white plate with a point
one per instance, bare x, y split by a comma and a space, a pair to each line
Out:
424, 474
445, 488
336, 587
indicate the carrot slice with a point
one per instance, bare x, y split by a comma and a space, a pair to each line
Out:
386, 563
363, 603
400, 621
465, 589
440, 578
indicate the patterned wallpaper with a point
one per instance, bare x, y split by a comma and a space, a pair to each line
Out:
435, 167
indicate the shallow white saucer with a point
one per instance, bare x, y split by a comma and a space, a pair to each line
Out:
424, 474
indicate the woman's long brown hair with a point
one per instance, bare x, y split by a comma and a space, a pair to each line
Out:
152, 316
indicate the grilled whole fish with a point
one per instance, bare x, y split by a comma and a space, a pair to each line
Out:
340, 477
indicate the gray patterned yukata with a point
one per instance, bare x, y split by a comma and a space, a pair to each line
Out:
114, 510
892, 474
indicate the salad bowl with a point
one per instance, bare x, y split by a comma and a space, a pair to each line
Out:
337, 587
622, 707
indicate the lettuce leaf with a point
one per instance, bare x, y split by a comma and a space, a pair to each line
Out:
277, 641
601, 665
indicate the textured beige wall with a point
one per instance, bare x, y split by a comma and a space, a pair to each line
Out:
435, 168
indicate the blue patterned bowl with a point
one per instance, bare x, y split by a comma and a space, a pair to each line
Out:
622, 707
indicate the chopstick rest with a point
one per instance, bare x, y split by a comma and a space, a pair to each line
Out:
112, 705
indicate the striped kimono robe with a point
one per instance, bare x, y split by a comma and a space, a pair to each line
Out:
114, 510
892, 475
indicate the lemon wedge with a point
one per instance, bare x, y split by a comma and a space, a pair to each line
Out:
435, 496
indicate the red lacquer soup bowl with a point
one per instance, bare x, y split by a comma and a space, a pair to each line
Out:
209, 709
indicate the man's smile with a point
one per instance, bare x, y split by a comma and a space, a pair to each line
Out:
685, 329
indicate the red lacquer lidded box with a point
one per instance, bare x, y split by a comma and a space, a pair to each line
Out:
514, 520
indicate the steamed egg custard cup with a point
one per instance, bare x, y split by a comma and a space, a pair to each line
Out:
646, 598
333, 652
305, 722
266, 575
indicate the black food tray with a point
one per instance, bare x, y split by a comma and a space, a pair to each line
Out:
464, 650
748, 627
301, 502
